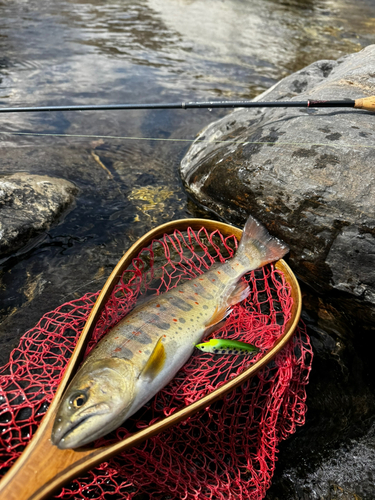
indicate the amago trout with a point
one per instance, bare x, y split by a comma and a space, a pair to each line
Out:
145, 350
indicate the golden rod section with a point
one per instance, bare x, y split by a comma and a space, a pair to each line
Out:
367, 103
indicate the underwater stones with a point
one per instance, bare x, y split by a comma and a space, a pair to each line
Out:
29, 205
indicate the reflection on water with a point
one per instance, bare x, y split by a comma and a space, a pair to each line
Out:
90, 51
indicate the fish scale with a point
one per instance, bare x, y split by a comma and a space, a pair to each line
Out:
145, 350
164, 317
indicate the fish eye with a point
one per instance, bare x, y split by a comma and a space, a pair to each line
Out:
78, 400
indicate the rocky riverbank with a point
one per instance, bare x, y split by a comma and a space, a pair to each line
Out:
307, 174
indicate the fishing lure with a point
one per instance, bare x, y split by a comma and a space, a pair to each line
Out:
227, 346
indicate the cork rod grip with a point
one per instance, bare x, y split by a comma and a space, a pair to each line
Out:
367, 103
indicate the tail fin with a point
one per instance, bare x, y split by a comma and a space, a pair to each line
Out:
256, 243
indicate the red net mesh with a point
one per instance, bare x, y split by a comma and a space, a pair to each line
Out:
227, 451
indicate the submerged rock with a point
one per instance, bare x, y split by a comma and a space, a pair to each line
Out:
307, 174
29, 205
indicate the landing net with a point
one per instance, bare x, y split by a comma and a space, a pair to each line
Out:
227, 451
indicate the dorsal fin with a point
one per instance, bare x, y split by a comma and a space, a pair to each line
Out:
155, 362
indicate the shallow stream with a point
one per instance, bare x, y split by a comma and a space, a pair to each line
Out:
125, 163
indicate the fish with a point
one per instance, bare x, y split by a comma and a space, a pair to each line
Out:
144, 351
227, 346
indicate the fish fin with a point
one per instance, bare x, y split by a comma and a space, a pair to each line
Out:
219, 314
237, 293
155, 362
257, 242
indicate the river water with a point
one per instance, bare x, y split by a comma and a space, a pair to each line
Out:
125, 163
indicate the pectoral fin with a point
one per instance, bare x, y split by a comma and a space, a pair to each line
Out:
155, 362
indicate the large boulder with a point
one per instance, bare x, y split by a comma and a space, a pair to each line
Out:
307, 174
29, 205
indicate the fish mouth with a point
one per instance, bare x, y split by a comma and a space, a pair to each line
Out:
60, 435
63, 435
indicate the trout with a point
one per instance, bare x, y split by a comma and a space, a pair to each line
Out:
145, 350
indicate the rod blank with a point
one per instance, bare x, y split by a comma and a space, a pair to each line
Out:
367, 103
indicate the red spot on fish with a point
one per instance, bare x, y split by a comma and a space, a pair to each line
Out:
140, 352
196, 303
181, 291
136, 333
201, 279
118, 349
213, 280
157, 305
196, 293
218, 272
195, 284
165, 336
174, 319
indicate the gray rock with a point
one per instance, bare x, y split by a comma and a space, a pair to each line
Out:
307, 174
350, 468
29, 205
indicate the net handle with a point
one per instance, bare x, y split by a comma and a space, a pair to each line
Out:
42, 468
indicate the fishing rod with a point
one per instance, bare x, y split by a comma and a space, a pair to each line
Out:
367, 103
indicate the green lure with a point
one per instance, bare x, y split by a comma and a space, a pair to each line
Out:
225, 346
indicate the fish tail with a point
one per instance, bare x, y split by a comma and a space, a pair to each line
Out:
257, 244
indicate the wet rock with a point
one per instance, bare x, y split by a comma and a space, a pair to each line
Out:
307, 174
29, 205
348, 474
